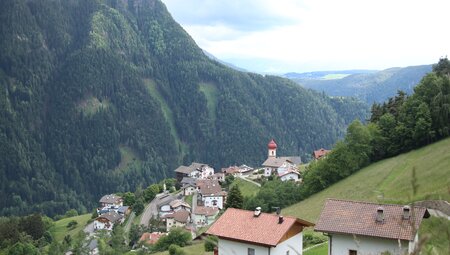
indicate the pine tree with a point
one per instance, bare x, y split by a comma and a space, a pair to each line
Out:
235, 198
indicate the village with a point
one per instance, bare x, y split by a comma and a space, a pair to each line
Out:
205, 188
199, 207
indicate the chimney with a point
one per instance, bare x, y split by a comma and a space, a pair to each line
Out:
406, 212
257, 212
280, 219
380, 214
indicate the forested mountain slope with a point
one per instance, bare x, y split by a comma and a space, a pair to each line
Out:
370, 87
105, 96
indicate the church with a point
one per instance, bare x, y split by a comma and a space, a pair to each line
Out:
284, 167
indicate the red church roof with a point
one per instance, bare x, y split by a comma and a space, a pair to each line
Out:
272, 145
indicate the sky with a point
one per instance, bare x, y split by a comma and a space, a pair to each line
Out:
280, 36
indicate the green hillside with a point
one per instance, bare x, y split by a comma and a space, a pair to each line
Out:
247, 188
389, 181
59, 230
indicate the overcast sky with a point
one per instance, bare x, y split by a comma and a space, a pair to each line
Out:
278, 36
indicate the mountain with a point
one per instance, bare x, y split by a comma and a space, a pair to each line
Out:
368, 86
325, 75
110, 96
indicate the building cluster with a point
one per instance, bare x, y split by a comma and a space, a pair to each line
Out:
111, 211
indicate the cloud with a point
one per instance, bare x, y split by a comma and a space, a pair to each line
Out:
288, 35
249, 15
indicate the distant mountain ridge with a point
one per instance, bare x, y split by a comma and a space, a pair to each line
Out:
369, 86
319, 75
211, 56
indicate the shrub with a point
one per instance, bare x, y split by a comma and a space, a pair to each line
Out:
175, 250
72, 224
211, 243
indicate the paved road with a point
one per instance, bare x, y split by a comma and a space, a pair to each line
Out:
194, 201
151, 210
89, 229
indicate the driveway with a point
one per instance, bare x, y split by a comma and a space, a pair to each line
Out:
89, 229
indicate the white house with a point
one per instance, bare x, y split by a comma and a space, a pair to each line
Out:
290, 175
210, 193
218, 177
177, 205
106, 221
204, 215
254, 233
195, 170
360, 228
188, 185
177, 219
111, 201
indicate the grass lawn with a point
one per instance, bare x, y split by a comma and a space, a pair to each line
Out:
436, 233
137, 219
188, 199
247, 189
321, 249
194, 249
59, 230
388, 181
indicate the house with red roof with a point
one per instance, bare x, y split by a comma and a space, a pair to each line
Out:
150, 238
321, 153
355, 227
255, 233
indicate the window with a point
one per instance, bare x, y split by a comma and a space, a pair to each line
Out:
214, 202
251, 251
352, 252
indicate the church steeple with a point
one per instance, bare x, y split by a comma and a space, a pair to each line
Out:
272, 149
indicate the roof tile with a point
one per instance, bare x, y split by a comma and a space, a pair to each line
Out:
242, 226
359, 218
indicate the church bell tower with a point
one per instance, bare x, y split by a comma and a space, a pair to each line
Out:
272, 149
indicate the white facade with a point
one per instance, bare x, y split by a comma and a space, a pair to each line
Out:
194, 174
292, 246
289, 176
98, 225
268, 171
365, 245
213, 201
202, 220
189, 190
172, 223
207, 171
106, 225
